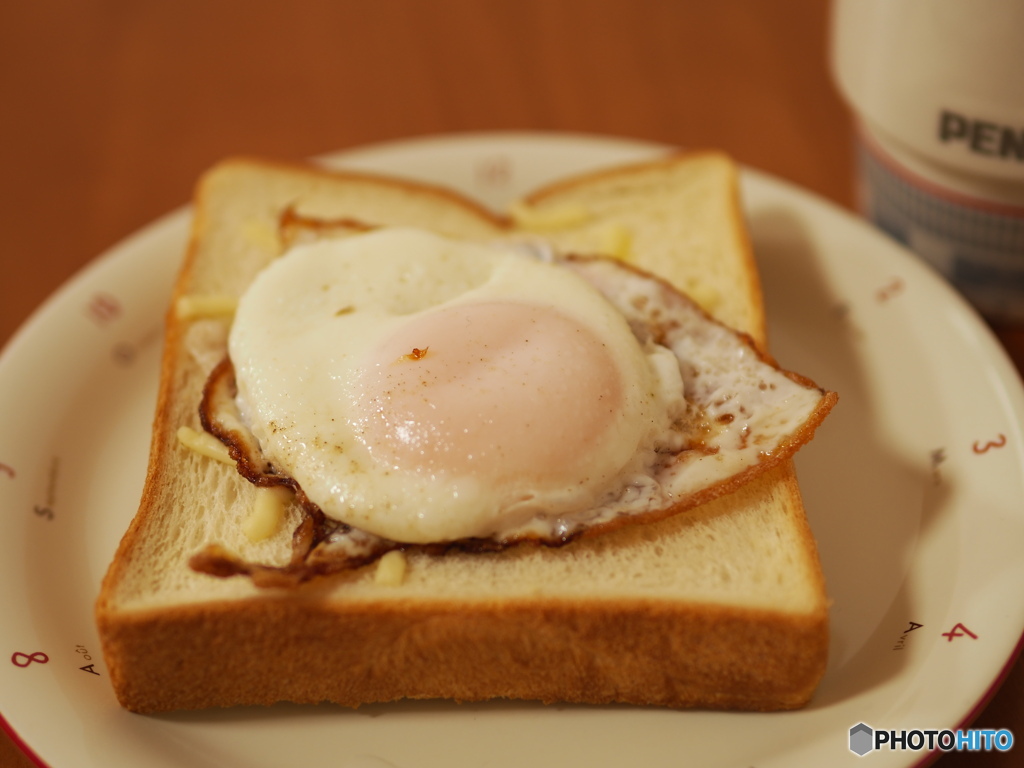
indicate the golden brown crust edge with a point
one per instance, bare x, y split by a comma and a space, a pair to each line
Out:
324, 172
712, 657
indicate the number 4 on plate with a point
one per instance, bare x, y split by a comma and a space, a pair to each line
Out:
959, 631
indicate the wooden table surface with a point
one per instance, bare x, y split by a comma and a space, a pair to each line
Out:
112, 108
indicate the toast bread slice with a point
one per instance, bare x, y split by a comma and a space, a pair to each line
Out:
723, 606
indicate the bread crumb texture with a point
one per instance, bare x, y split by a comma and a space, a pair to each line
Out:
690, 237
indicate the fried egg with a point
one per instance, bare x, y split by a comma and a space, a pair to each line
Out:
424, 390
420, 390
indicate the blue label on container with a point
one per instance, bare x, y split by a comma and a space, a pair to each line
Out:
977, 246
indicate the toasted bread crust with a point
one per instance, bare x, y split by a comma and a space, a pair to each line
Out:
313, 645
546, 652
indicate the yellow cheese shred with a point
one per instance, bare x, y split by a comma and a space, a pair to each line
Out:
548, 219
262, 234
391, 569
267, 514
204, 443
197, 306
705, 295
617, 241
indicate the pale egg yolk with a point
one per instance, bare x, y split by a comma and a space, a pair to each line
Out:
498, 390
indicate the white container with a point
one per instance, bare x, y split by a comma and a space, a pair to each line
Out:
938, 90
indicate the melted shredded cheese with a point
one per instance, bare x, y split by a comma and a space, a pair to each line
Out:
705, 295
208, 305
268, 513
391, 569
617, 241
262, 234
562, 217
205, 444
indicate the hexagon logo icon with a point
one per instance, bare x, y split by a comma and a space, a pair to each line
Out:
861, 739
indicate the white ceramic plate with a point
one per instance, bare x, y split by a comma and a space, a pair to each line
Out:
913, 488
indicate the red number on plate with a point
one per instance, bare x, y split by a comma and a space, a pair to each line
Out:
104, 308
999, 443
959, 631
19, 659
892, 289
